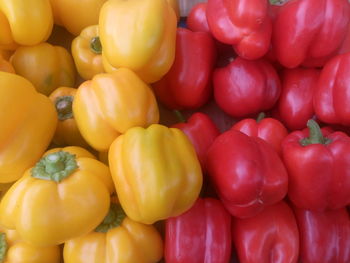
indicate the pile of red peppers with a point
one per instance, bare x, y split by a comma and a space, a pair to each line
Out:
277, 180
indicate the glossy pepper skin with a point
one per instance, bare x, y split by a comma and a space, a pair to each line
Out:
244, 87
331, 98
28, 125
110, 104
310, 32
67, 132
197, 18
117, 239
187, 85
45, 65
65, 195
25, 22
324, 236
247, 173
295, 105
318, 166
6, 66
139, 35
173, 179
270, 236
200, 235
268, 129
201, 131
87, 53
18, 251
248, 28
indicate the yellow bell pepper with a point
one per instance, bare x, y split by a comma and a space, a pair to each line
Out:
86, 51
28, 122
14, 250
117, 239
6, 66
46, 66
139, 35
175, 5
156, 172
110, 104
65, 13
67, 132
25, 22
65, 195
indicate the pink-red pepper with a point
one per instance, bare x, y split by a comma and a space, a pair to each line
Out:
247, 173
200, 235
197, 19
270, 236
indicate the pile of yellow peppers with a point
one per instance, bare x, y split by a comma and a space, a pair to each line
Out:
85, 167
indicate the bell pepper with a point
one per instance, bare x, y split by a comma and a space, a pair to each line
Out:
202, 234
86, 52
248, 28
197, 18
318, 168
14, 250
46, 66
331, 98
247, 173
65, 195
67, 132
268, 129
117, 239
139, 35
175, 6
309, 32
187, 85
324, 236
25, 22
245, 87
28, 124
270, 236
6, 66
201, 131
110, 104
155, 171
295, 105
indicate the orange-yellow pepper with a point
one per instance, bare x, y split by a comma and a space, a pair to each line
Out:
14, 250
67, 132
28, 122
175, 5
86, 51
6, 66
65, 195
139, 35
110, 104
46, 66
155, 171
117, 239
25, 22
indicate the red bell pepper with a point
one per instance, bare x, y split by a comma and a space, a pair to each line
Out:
268, 129
244, 24
318, 166
202, 234
245, 87
324, 236
309, 32
201, 131
187, 85
247, 173
295, 105
270, 236
197, 19
332, 95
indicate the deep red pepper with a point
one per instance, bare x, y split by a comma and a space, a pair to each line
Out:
309, 32
187, 85
332, 94
197, 19
247, 173
318, 167
270, 236
200, 235
244, 87
324, 236
244, 24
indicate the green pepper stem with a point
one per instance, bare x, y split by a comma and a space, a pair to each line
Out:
63, 106
179, 116
113, 219
95, 45
3, 247
55, 166
277, 2
261, 116
315, 135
